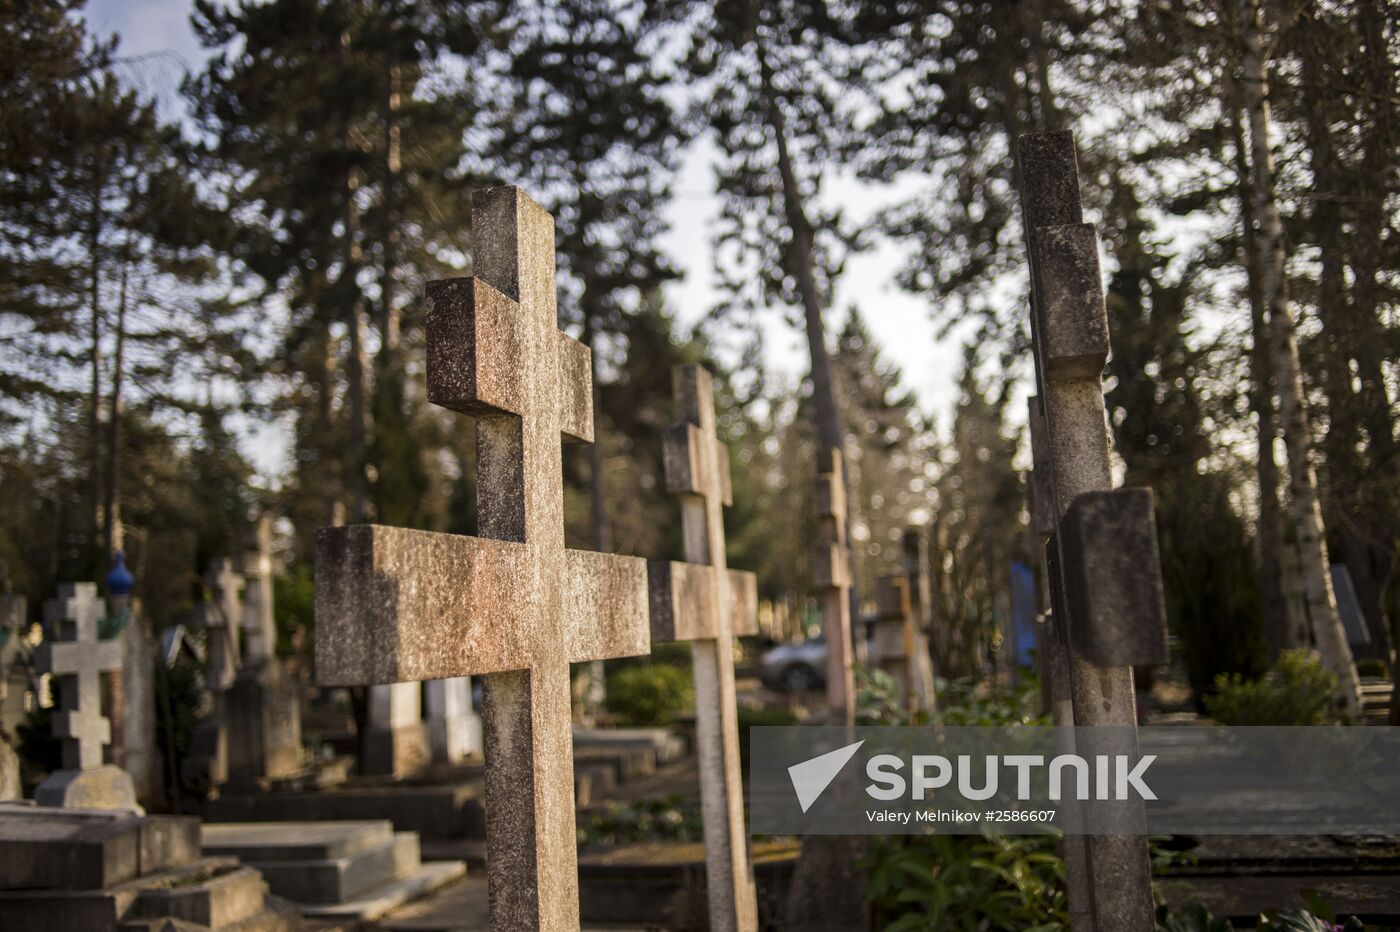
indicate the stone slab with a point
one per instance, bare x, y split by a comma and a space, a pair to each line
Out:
89, 850
330, 881
667, 745
227, 896
375, 904
447, 811
293, 841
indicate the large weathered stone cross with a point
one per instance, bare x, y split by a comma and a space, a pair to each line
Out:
704, 602
513, 604
78, 659
831, 572
1104, 570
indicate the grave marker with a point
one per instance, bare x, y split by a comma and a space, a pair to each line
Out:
704, 602
915, 560
512, 605
75, 657
1069, 328
831, 571
263, 706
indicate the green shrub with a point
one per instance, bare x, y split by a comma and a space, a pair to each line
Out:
967, 882
1297, 691
620, 823
1372, 667
649, 694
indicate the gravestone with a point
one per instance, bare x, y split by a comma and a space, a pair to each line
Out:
704, 602
74, 656
831, 573
895, 647
396, 742
454, 728
262, 708
14, 616
220, 616
132, 695
513, 605
1104, 573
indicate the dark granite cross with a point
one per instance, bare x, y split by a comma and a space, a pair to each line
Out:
512, 605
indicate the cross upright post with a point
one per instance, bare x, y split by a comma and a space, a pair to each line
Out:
75, 656
832, 573
704, 602
914, 559
223, 617
512, 605
1111, 613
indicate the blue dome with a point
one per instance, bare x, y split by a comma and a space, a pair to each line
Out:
119, 580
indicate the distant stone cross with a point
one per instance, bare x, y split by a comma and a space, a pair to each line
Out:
704, 602
831, 571
78, 659
514, 605
895, 641
222, 617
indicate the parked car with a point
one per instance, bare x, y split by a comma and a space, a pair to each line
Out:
795, 668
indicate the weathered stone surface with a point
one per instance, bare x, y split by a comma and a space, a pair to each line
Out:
396, 605
682, 601
1116, 602
89, 849
701, 600
1069, 332
105, 787
396, 740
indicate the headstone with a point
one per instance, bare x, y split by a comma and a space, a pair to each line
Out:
704, 602
220, 616
513, 606
1069, 327
133, 702
454, 728
831, 573
893, 644
1349, 606
262, 708
75, 657
396, 742
14, 612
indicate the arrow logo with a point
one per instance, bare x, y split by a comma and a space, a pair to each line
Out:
811, 777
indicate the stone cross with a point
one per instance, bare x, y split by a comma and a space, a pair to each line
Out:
259, 621
1110, 630
512, 605
704, 602
831, 571
222, 617
895, 646
75, 656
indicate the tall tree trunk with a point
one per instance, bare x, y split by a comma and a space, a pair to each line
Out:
92, 512
111, 505
1329, 636
1285, 628
389, 313
351, 303
831, 434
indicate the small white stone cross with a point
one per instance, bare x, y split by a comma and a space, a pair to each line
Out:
74, 655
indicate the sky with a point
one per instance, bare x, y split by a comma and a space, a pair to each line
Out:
151, 30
